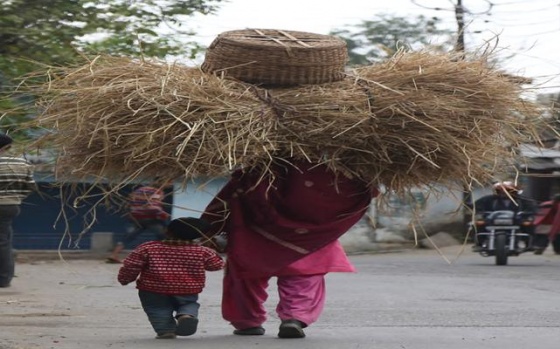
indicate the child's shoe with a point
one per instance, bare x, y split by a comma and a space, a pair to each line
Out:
186, 325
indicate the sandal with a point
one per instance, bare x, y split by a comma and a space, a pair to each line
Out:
251, 331
292, 329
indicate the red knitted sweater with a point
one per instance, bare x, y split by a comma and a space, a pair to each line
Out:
169, 267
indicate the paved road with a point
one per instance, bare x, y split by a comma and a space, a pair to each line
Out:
406, 300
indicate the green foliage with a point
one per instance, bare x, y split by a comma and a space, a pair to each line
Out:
151, 28
374, 40
53, 31
36, 33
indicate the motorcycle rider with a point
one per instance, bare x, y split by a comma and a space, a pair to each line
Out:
506, 197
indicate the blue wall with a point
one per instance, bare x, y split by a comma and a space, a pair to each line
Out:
41, 226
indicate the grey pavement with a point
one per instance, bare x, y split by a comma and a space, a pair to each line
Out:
402, 300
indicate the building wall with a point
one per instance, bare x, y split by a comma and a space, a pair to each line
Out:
192, 199
433, 211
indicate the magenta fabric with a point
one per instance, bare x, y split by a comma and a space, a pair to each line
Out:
243, 299
549, 213
329, 259
277, 220
301, 297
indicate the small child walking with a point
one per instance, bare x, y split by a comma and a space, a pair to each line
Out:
170, 274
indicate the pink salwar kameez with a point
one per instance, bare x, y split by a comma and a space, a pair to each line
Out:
285, 226
301, 289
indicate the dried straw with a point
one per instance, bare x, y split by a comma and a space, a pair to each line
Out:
419, 118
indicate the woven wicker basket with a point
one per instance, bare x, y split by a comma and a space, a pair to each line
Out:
277, 57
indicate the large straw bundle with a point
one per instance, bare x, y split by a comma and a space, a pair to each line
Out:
418, 118
123, 119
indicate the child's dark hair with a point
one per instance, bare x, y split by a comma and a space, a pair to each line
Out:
188, 228
5, 140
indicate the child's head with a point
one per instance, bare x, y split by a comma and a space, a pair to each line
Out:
187, 228
5, 142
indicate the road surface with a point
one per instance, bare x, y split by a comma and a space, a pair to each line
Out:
403, 300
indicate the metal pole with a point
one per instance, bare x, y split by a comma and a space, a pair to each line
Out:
460, 16
460, 48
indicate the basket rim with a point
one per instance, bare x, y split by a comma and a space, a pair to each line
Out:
279, 38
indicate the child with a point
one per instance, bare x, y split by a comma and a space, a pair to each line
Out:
170, 274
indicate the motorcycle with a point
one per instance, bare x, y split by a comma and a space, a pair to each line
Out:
502, 232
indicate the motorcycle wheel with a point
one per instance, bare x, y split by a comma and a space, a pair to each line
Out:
501, 249
556, 244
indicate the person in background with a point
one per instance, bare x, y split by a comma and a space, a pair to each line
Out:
507, 196
169, 276
16, 183
145, 213
548, 225
285, 224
